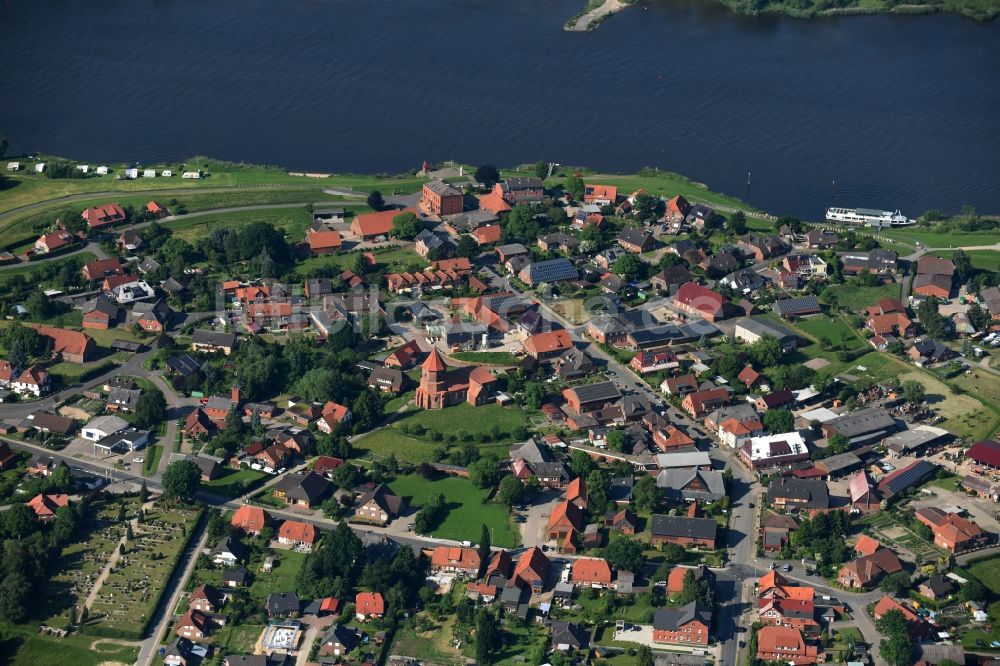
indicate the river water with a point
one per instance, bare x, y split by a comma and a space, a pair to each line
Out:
902, 112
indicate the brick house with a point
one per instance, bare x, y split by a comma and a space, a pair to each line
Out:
683, 531
786, 645
464, 561
440, 198
689, 625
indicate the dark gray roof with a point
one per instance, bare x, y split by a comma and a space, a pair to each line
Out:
794, 306
531, 452
568, 633
215, 338
552, 270
346, 636
682, 526
309, 487
805, 493
385, 498
183, 365
606, 391
672, 619
281, 603
863, 422
709, 484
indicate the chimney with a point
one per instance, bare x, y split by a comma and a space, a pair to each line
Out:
236, 394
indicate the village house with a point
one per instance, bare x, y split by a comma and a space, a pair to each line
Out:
213, 341
699, 301
439, 198
601, 195
250, 519
951, 531
54, 241
206, 598
105, 215
378, 506
699, 403
531, 570
687, 625
785, 645
683, 531
546, 345
70, 346
467, 562
369, 606
298, 535
194, 624
934, 277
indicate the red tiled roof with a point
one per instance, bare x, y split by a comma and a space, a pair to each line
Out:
700, 298
377, 224
293, 530
323, 240
546, 343
489, 234
369, 603
250, 518
64, 341
591, 570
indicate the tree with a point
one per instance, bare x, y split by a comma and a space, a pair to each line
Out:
779, 420
963, 266
895, 647
895, 584
467, 247
143, 492
406, 226
598, 488
630, 267
485, 545
485, 472
616, 440
766, 351
487, 175
625, 553
181, 480
914, 392
647, 494
15, 596
694, 590
737, 223
978, 317
541, 169
973, 590
534, 394
574, 186
510, 491
933, 323
375, 200
366, 410
150, 408
19, 521
581, 463
838, 444
644, 656
487, 636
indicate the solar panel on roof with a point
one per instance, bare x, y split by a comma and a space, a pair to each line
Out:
599, 391
909, 476
553, 270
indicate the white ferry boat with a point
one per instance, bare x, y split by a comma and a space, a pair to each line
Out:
868, 217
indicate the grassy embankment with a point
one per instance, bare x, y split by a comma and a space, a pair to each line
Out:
981, 10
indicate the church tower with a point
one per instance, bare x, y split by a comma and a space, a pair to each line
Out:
433, 390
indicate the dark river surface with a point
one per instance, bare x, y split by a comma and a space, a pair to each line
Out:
903, 112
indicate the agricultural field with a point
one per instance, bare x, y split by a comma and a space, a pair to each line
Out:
468, 509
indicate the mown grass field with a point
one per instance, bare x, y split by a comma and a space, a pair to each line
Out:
488, 358
988, 260
939, 239
233, 483
22, 645
856, 298
467, 509
26, 188
294, 220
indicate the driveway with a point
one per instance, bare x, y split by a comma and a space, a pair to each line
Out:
533, 530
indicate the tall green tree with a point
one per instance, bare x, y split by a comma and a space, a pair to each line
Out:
181, 480
150, 408
487, 174
375, 200
406, 226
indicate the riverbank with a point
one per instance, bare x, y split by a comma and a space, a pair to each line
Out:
594, 14
597, 11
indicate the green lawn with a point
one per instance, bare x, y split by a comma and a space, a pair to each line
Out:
152, 456
30, 188
233, 483
988, 260
395, 259
475, 421
938, 239
22, 645
987, 571
293, 220
282, 578
467, 512
856, 298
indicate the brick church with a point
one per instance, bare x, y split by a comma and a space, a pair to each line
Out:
441, 387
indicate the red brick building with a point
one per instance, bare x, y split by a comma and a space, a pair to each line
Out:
440, 198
